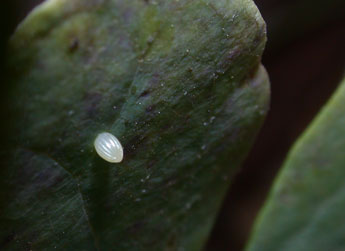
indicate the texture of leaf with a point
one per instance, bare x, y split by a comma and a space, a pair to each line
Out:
179, 83
305, 210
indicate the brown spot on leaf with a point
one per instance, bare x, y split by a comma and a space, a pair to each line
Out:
144, 93
74, 45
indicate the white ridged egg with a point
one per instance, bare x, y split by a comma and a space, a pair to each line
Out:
109, 147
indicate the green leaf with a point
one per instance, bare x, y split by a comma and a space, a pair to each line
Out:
179, 83
305, 210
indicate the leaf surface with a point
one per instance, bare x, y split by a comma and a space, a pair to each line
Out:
305, 210
179, 83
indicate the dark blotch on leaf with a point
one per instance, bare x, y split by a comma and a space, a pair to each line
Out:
74, 45
131, 147
144, 93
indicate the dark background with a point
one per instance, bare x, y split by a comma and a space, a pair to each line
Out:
305, 59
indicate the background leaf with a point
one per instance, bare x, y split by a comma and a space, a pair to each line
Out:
305, 210
178, 82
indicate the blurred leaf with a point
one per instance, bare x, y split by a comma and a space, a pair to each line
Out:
305, 210
178, 82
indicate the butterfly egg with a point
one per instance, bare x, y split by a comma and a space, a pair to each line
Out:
109, 147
